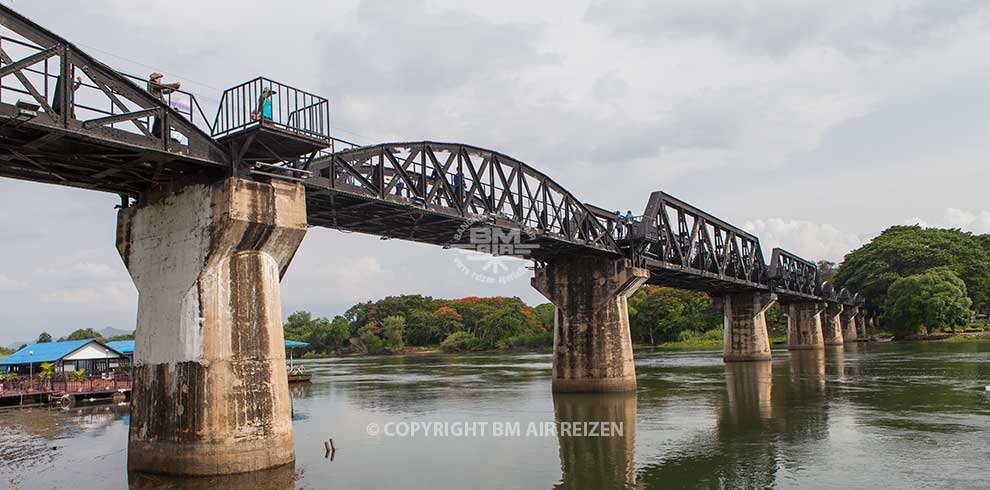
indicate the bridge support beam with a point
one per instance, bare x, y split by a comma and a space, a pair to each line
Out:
746, 337
848, 320
832, 324
804, 325
861, 321
592, 347
210, 391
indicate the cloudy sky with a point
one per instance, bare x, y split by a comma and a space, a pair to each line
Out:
815, 124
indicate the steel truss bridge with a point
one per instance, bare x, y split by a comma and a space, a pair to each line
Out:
69, 119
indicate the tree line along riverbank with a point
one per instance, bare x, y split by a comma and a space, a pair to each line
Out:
927, 282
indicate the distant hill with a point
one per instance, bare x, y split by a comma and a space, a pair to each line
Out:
108, 332
17, 345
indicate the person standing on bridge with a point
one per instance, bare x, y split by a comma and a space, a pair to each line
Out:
265, 103
618, 224
160, 90
630, 221
57, 101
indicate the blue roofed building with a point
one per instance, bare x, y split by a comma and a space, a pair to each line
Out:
126, 347
90, 355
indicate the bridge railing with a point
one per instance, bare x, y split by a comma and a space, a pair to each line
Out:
467, 181
287, 108
792, 274
88, 100
675, 233
51, 85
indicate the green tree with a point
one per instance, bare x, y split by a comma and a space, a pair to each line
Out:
448, 320
927, 301
500, 324
421, 328
126, 336
459, 342
44, 338
545, 314
902, 251
393, 328
371, 338
660, 314
826, 271
340, 332
83, 334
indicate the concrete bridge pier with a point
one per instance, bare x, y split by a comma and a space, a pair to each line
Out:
746, 337
861, 321
848, 321
210, 392
832, 324
592, 347
804, 325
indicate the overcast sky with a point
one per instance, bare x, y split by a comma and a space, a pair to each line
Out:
814, 124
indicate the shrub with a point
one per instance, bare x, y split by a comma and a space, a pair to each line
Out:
537, 340
47, 370
932, 300
370, 339
459, 342
79, 375
392, 329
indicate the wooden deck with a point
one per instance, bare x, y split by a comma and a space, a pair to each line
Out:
41, 390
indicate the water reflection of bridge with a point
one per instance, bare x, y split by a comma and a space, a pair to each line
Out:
786, 406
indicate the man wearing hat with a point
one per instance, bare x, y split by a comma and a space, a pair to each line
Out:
159, 90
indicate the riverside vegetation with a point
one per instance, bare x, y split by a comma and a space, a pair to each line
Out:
925, 280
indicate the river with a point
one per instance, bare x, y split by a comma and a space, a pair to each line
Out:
896, 415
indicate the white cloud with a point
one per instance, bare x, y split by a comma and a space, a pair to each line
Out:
81, 270
975, 221
116, 295
9, 284
812, 241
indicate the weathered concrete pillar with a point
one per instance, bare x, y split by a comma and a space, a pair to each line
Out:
746, 337
861, 321
592, 347
848, 321
804, 325
210, 393
832, 324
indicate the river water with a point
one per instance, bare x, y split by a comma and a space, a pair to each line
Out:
912, 415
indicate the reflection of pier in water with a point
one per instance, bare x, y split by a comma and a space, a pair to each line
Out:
597, 462
281, 478
735, 453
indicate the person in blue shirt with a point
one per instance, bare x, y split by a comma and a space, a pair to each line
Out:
630, 220
265, 103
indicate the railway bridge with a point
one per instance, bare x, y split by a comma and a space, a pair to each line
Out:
213, 209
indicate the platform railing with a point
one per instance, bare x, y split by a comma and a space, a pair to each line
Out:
88, 100
291, 110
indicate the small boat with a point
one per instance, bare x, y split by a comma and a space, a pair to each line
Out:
881, 339
296, 375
